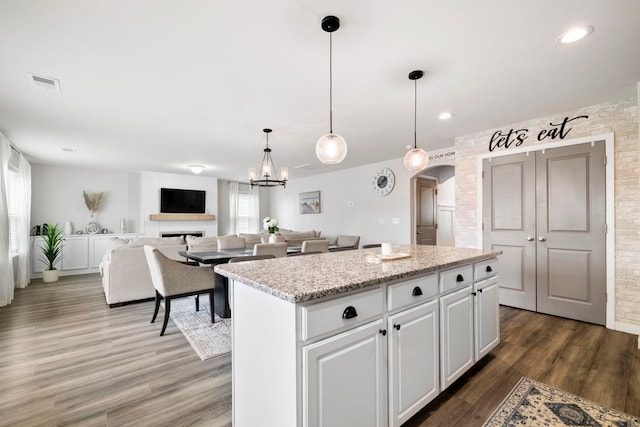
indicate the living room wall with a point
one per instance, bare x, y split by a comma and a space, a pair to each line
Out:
349, 205
57, 196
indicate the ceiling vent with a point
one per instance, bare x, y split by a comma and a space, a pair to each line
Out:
42, 82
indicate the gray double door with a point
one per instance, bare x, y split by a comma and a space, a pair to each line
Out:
546, 211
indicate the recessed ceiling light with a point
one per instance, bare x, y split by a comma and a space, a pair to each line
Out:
196, 168
445, 116
575, 34
48, 83
69, 150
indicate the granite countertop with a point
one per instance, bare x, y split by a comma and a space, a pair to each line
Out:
305, 278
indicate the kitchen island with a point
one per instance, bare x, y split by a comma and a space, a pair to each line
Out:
347, 338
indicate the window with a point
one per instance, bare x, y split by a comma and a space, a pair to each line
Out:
247, 209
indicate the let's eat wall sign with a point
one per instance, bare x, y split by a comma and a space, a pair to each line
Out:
515, 137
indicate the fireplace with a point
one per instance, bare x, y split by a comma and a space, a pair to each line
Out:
181, 233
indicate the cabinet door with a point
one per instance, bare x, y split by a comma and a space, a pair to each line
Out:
75, 253
344, 379
413, 361
487, 317
37, 266
456, 335
98, 249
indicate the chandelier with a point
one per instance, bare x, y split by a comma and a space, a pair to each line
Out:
268, 176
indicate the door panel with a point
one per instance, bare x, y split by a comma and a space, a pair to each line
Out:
426, 212
509, 225
571, 232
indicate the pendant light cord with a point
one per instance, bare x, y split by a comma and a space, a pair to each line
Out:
330, 83
415, 114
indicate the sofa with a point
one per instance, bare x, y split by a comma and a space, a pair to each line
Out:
125, 274
124, 270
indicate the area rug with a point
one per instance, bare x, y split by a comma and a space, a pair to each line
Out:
531, 403
207, 339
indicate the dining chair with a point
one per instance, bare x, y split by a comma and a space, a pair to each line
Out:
279, 250
344, 240
231, 242
315, 245
172, 279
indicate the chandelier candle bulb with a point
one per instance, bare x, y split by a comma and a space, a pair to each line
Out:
284, 173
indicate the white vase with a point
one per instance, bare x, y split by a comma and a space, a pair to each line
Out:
123, 225
273, 238
49, 276
68, 228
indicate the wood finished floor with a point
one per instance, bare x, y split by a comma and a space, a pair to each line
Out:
67, 359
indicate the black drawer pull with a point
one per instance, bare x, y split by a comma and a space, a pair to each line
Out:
416, 291
383, 332
479, 290
489, 269
473, 293
459, 278
349, 312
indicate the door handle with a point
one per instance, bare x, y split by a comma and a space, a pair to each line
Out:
530, 238
419, 232
542, 238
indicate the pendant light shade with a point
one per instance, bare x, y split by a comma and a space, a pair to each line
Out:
416, 159
331, 148
267, 176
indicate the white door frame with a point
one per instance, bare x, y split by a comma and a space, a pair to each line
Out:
609, 201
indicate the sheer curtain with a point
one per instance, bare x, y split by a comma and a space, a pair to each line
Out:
234, 206
23, 275
6, 265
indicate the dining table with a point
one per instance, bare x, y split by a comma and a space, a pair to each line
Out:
222, 256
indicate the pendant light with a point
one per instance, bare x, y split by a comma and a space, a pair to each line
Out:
331, 148
268, 176
416, 159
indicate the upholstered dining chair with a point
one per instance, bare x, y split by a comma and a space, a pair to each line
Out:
344, 240
173, 279
231, 242
315, 245
279, 250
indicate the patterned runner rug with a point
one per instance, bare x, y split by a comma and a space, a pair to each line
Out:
531, 403
207, 339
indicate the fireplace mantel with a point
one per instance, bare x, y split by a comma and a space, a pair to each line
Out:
181, 217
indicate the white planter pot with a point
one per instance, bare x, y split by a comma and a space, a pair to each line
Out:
50, 276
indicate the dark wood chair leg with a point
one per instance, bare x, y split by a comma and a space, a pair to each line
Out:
167, 309
155, 312
213, 316
198, 302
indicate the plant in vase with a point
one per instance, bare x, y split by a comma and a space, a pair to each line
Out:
271, 226
92, 200
51, 252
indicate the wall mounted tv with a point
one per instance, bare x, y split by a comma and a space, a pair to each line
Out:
173, 200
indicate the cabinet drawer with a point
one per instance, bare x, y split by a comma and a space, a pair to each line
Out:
340, 313
484, 269
412, 292
451, 279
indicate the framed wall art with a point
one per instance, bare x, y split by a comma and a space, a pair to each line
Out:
310, 202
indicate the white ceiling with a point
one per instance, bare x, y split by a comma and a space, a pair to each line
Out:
160, 84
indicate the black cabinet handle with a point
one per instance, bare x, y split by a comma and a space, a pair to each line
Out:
397, 327
489, 269
473, 293
383, 332
416, 291
459, 278
479, 290
349, 312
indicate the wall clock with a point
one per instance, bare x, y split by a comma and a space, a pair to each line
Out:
383, 181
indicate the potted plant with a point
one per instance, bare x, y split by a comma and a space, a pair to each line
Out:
51, 252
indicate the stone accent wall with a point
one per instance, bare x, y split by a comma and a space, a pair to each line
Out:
621, 118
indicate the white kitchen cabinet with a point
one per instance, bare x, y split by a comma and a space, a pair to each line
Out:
456, 335
75, 253
487, 316
413, 361
344, 380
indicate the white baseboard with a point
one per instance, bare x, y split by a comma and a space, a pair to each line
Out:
629, 328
